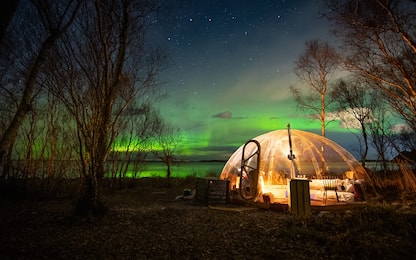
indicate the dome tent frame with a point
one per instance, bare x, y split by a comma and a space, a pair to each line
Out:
271, 155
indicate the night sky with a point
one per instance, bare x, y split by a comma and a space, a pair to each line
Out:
231, 67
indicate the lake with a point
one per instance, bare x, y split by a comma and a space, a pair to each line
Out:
203, 169
158, 169
195, 169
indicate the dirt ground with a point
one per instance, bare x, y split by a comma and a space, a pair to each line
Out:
151, 221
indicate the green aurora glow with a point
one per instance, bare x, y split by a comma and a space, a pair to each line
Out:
232, 66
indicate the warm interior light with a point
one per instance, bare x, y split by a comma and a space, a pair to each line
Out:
311, 163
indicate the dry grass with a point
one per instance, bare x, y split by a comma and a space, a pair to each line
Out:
393, 184
147, 222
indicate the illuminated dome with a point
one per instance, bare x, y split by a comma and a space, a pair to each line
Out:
269, 162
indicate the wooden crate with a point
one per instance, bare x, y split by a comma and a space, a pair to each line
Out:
212, 191
299, 202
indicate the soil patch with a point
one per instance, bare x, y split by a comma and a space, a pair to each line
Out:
151, 221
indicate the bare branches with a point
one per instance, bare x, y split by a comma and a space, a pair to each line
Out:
54, 32
315, 67
166, 145
105, 74
355, 103
380, 45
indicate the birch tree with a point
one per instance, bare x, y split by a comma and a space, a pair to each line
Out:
315, 67
103, 68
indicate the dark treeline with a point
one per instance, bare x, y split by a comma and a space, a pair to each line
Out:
78, 83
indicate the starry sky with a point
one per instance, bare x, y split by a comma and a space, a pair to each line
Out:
231, 65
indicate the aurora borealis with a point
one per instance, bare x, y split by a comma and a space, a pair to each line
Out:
231, 68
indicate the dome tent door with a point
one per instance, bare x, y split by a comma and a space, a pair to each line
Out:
250, 164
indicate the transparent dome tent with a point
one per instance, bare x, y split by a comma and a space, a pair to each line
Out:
265, 164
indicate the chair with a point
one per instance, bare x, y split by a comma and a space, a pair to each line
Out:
329, 183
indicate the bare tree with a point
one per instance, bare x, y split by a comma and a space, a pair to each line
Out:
315, 67
54, 146
357, 100
138, 125
167, 146
104, 68
382, 136
53, 19
379, 38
